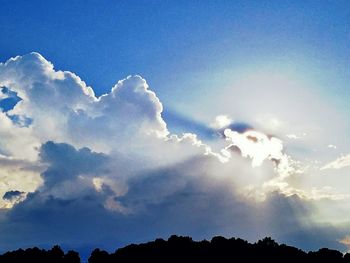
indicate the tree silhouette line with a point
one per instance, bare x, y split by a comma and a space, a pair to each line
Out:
183, 249
36, 255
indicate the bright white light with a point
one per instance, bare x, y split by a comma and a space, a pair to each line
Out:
98, 183
256, 145
221, 121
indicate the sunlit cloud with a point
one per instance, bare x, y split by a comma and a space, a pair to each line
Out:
345, 241
113, 158
256, 146
221, 121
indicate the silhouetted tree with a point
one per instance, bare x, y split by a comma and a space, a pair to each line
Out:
267, 242
326, 255
346, 257
71, 257
55, 254
99, 256
183, 249
36, 255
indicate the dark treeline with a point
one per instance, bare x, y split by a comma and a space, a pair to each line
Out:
36, 255
184, 249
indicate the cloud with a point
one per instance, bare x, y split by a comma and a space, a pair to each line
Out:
62, 108
188, 208
256, 146
78, 168
126, 122
17, 176
221, 121
346, 241
185, 198
73, 173
339, 163
13, 197
66, 163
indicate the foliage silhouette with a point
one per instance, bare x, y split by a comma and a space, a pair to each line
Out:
183, 249
36, 255
219, 249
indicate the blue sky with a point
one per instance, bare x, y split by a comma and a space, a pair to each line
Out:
235, 113
172, 44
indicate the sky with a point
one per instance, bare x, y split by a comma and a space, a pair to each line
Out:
124, 121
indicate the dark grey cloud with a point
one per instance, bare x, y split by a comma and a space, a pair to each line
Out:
65, 162
11, 195
175, 199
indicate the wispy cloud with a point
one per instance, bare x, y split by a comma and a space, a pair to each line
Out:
339, 163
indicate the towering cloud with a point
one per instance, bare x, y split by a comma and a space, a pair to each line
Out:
107, 168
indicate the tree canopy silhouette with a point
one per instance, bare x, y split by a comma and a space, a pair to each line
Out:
36, 255
183, 249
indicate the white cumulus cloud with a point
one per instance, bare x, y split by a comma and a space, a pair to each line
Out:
110, 158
